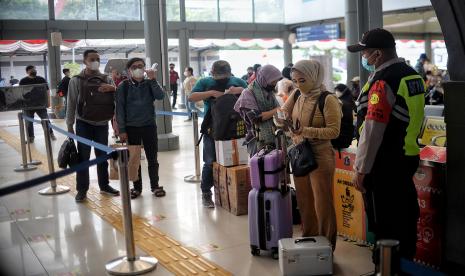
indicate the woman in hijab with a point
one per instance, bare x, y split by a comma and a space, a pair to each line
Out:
257, 106
314, 191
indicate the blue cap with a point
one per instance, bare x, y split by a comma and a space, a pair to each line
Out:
423, 56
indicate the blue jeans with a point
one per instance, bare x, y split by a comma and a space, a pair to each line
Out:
209, 156
98, 134
191, 106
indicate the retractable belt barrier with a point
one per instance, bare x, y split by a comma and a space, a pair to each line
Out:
131, 264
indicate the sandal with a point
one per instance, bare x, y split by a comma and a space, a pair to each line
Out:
159, 192
135, 193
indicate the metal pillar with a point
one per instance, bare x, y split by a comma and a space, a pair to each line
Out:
54, 66
12, 67
54, 189
429, 48
184, 58
129, 264
287, 48
351, 35
386, 248
184, 52
156, 45
24, 167
197, 177
369, 16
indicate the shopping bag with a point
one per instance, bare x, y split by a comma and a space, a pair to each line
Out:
133, 163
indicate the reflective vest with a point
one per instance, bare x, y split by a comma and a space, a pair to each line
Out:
403, 128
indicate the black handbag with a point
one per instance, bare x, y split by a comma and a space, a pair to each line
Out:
68, 155
301, 156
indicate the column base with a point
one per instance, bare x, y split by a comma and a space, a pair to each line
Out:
122, 266
168, 142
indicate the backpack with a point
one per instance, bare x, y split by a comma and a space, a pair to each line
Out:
93, 105
221, 121
68, 155
346, 134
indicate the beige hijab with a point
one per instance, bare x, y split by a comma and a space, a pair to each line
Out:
313, 72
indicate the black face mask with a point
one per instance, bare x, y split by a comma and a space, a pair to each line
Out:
270, 88
222, 81
33, 73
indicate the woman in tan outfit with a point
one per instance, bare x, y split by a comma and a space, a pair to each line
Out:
315, 190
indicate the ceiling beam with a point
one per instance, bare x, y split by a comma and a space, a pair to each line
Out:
76, 29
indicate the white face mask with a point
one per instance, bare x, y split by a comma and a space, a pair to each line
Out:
138, 73
94, 65
339, 94
186, 75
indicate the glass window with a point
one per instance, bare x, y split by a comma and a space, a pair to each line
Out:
119, 10
75, 9
24, 9
236, 10
172, 10
269, 11
201, 10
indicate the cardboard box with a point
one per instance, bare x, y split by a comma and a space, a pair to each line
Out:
232, 186
231, 153
216, 183
238, 180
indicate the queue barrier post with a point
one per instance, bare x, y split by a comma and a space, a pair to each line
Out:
386, 248
54, 189
197, 177
31, 162
24, 167
129, 264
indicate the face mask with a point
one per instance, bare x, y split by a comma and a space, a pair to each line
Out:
138, 73
185, 74
305, 87
339, 94
368, 67
223, 81
270, 88
94, 65
33, 73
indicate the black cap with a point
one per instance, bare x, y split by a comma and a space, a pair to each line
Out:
376, 39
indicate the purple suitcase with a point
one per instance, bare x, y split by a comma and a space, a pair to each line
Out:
270, 219
270, 209
270, 163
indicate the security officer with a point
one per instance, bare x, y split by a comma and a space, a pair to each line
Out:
390, 113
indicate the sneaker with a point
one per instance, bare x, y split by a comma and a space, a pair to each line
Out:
207, 201
52, 136
30, 140
174, 108
109, 191
188, 120
81, 196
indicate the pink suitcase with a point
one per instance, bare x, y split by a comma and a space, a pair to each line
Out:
269, 163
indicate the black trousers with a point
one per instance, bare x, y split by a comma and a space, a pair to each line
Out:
147, 136
174, 89
391, 203
42, 113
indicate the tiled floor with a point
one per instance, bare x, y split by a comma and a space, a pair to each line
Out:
54, 235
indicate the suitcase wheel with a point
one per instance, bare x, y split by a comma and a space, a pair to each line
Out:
275, 254
255, 251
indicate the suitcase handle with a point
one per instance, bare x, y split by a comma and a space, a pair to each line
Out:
304, 240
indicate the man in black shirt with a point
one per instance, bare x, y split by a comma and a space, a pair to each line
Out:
32, 78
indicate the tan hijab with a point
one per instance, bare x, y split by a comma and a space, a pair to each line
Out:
313, 72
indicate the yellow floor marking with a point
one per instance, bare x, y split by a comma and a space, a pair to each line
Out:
170, 253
